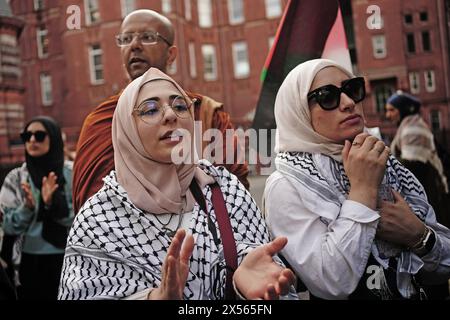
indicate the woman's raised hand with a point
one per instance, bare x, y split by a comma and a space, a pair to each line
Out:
175, 269
29, 200
259, 277
365, 163
49, 186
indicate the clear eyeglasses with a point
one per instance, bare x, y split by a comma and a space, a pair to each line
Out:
151, 111
146, 38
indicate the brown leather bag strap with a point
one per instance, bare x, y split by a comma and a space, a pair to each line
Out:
226, 232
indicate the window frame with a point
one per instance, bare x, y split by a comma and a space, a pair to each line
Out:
124, 7
38, 5
377, 45
409, 36
232, 18
41, 37
166, 6
426, 32
93, 52
45, 81
89, 13
414, 76
213, 74
431, 88
236, 48
188, 10
381, 93
205, 7
269, 12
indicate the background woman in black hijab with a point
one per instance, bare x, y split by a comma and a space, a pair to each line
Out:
36, 204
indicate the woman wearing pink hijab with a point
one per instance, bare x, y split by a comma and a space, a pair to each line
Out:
152, 231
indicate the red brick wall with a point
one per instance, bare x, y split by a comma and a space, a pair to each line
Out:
398, 62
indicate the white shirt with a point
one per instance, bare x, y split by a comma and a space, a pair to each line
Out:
332, 264
331, 238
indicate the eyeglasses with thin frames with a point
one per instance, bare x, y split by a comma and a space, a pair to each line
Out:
151, 111
146, 38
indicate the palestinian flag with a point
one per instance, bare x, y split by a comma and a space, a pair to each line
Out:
309, 29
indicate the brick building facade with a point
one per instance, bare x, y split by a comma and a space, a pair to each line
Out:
11, 89
68, 70
407, 50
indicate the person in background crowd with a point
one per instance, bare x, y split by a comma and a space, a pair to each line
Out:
36, 203
414, 145
146, 40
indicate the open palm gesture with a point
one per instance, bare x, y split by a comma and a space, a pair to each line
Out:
49, 186
175, 269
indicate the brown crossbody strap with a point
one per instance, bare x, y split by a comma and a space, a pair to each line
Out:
226, 231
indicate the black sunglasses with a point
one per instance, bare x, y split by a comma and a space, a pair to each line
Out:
329, 96
38, 135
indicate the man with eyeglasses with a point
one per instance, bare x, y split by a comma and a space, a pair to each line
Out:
146, 39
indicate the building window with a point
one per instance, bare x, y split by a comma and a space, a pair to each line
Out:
411, 44
408, 18
430, 82
128, 6
46, 89
382, 94
271, 41
424, 16
273, 8
204, 13
209, 62
192, 60
42, 42
435, 119
188, 10
414, 82
426, 43
166, 6
91, 11
379, 46
38, 5
240, 60
236, 11
96, 64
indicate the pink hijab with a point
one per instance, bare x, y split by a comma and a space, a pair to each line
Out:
152, 186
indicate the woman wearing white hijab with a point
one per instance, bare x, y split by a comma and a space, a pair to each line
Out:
330, 190
129, 239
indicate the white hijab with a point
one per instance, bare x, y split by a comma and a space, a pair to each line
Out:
293, 118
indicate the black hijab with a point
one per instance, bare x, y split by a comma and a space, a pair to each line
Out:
39, 167
53, 160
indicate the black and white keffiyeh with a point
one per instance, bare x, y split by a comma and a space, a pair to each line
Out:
324, 187
115, 250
